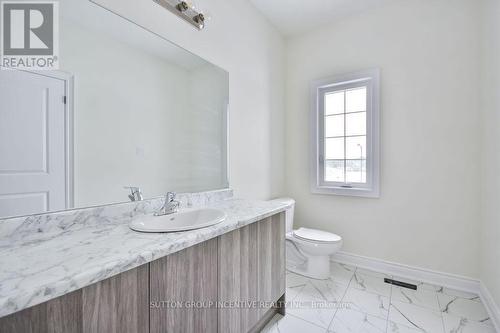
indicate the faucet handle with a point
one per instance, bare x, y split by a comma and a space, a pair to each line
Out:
171, 196
170, 206
135, 193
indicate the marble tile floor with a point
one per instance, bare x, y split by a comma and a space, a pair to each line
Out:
356, 300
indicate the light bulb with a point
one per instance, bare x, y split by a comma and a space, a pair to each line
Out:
182, 6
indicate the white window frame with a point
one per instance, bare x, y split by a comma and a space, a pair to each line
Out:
370, 79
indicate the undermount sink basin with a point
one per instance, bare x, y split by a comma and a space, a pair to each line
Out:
186, 219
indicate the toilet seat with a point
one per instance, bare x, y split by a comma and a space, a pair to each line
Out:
316, 236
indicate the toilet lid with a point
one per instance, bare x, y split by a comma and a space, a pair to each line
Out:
316, 235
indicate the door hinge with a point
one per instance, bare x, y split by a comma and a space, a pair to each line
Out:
65, 99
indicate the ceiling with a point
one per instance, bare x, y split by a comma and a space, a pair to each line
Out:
298, 16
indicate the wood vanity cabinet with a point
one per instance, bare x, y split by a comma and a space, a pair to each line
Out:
247, 264
182, 292
251, 268
117, 304
186, 277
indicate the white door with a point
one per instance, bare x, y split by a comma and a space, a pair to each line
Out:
32, 143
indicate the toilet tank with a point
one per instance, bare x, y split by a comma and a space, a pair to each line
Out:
289, 212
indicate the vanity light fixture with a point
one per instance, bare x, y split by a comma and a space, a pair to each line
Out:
185, 11
182, 6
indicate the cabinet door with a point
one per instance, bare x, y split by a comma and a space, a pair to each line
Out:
118, 304
271, 259
115, 305
251, 269
238, 279
60, 315
183, 290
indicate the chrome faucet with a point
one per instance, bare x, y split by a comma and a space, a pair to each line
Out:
171, 205
135, 193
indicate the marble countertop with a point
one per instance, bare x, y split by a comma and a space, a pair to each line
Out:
44, 259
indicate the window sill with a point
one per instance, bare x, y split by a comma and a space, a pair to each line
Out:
350, 192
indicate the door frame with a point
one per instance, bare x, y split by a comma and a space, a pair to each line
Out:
69, 83
69, 128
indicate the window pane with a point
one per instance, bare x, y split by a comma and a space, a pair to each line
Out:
334, 149
334, 171
356, 147
355, 171
355, 124
356, 100
334, 103
334, 125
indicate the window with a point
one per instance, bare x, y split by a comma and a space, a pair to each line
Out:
345, 135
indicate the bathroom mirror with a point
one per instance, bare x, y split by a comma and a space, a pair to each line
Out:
125, 108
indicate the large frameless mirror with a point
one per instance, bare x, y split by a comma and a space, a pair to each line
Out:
126, 108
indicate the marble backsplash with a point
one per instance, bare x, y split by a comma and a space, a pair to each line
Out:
60, 222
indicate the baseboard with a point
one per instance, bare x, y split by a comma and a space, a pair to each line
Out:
425, 275
415, 273
492, 308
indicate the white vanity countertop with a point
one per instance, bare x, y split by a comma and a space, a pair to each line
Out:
42, 260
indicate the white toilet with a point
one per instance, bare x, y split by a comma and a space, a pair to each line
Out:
308, 251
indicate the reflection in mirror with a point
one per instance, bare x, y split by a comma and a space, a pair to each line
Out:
139, 111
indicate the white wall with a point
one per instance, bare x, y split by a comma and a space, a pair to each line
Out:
241, 41
428, 53
490, 236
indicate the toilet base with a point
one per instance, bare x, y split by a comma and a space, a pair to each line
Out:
316, 267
